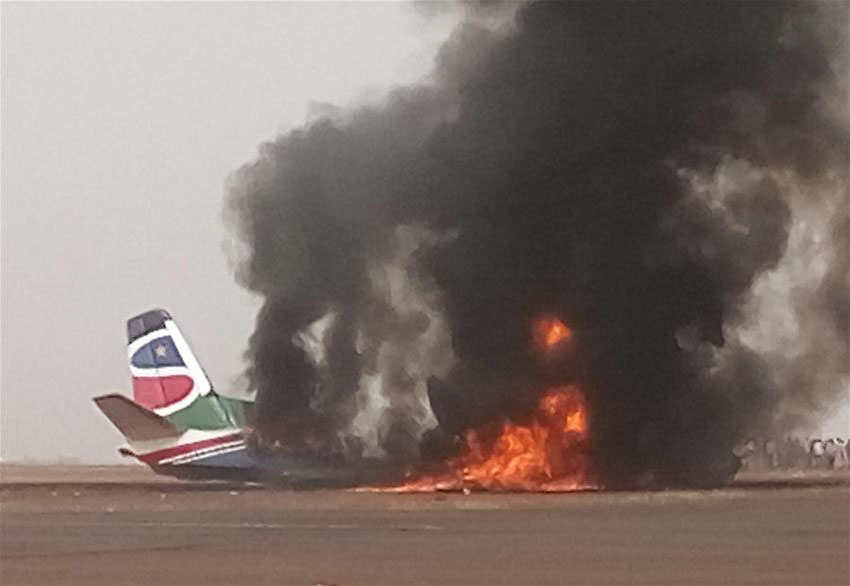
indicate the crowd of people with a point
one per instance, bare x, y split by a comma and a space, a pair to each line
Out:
795, 453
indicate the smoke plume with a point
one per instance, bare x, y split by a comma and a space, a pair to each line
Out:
670, 179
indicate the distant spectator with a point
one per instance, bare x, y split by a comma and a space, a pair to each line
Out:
835, 453
771, 454
816, 453
745, 453
792, 454
829, 452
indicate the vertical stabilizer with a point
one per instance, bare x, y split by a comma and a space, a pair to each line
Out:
169, 380
166, 375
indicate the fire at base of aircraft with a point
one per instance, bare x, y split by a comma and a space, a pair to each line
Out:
547, 454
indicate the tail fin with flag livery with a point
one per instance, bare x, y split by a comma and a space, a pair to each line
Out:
167, 378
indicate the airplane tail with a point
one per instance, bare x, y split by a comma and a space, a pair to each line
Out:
168, 380
134, 421
175, 423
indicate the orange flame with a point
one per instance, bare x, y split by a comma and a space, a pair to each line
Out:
547, 455
551, 332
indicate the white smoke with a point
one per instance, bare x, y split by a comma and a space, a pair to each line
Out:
784, 319
410, 342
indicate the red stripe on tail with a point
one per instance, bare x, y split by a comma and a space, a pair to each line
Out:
161, 391
156, 457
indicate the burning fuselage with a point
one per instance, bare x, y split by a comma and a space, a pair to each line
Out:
543, 448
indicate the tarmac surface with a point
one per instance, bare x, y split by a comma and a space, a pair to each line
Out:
122, 525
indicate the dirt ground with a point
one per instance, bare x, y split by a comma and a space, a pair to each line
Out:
122, 525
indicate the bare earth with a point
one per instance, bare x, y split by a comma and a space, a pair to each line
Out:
123, 525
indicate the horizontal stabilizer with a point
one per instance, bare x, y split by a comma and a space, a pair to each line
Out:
134, 421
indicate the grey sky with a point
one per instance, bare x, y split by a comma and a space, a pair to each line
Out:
120, 124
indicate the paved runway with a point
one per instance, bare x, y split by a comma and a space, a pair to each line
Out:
152, 533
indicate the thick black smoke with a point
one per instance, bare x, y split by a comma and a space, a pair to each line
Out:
633, 168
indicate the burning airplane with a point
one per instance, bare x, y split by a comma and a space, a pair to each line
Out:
597, 246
